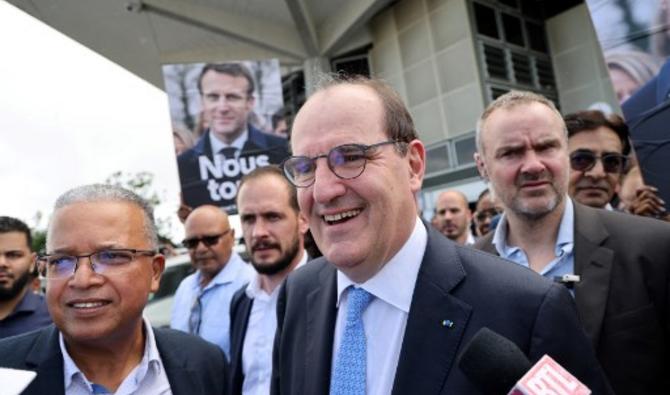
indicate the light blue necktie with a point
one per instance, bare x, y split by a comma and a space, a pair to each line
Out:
349, 371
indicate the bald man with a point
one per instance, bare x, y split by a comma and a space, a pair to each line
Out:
454, 216
201, 304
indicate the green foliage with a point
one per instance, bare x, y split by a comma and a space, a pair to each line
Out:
39, 240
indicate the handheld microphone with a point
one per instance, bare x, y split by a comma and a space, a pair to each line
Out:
495, 364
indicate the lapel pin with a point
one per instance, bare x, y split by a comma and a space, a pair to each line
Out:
448, 323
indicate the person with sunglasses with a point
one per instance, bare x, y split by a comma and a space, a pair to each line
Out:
100, 265
614, 264
392, 302
598, 147
202, 301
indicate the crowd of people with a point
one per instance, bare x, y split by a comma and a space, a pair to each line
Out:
551, 256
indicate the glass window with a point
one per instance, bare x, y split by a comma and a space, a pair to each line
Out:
537, 37
523, 74
437, 159
485, 18
496, 65
513, 30
465, 150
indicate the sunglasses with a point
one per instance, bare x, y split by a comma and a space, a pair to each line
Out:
585, 160
208, 241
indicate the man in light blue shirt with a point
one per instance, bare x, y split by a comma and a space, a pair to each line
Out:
202, 301
614, 264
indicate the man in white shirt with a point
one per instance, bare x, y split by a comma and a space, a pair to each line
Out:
100, 267
391, 303
274, 235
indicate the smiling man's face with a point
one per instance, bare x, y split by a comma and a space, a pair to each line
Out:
359, 224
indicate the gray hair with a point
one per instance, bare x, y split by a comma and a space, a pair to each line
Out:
510, 100
111, 193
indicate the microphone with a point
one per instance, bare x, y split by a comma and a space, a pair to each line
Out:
495, 364
492, 362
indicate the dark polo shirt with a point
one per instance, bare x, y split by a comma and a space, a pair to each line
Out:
31, 313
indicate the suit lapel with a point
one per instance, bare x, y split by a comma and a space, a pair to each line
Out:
179, 374
321, 316
435, 324
45, 357
593, 262
238, 333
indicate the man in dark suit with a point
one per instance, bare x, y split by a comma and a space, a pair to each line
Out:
392, 303
273, 232
230, 146
100, 268
615, 264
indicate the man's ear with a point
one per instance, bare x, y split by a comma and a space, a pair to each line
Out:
157, 269
416, 154
303, 225
481, 166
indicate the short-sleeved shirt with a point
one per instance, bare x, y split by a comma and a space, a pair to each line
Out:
31, 313
215, 298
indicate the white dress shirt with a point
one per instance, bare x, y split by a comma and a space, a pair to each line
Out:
260, 335
385, 318
148, 377
217, 145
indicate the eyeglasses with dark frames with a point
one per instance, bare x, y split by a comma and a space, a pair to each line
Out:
108, 261
208, 241
585, 160
345, 161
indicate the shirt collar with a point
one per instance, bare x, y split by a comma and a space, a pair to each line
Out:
150, 358
238, 143
564, 240
226, 275
29, 302
254, 289
394, 283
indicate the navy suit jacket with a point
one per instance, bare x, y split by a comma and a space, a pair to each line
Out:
193, 366
194, 188
471, 288
240, 309
623, 298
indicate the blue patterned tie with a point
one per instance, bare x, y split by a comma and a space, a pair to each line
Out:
349, 371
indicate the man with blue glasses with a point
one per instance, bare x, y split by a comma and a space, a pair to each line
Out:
392, 302
100, 266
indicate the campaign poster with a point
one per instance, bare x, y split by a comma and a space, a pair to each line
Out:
224, 125
635, 39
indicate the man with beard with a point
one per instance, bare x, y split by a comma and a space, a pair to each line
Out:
598, 147
274, 235
454, 216
20, 309
202, 300
616, 265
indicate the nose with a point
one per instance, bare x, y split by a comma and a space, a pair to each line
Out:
260, 229
597, 171
532, 163
84, 276
222, 103
327, 186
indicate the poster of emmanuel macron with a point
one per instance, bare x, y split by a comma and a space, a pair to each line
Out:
222, 126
